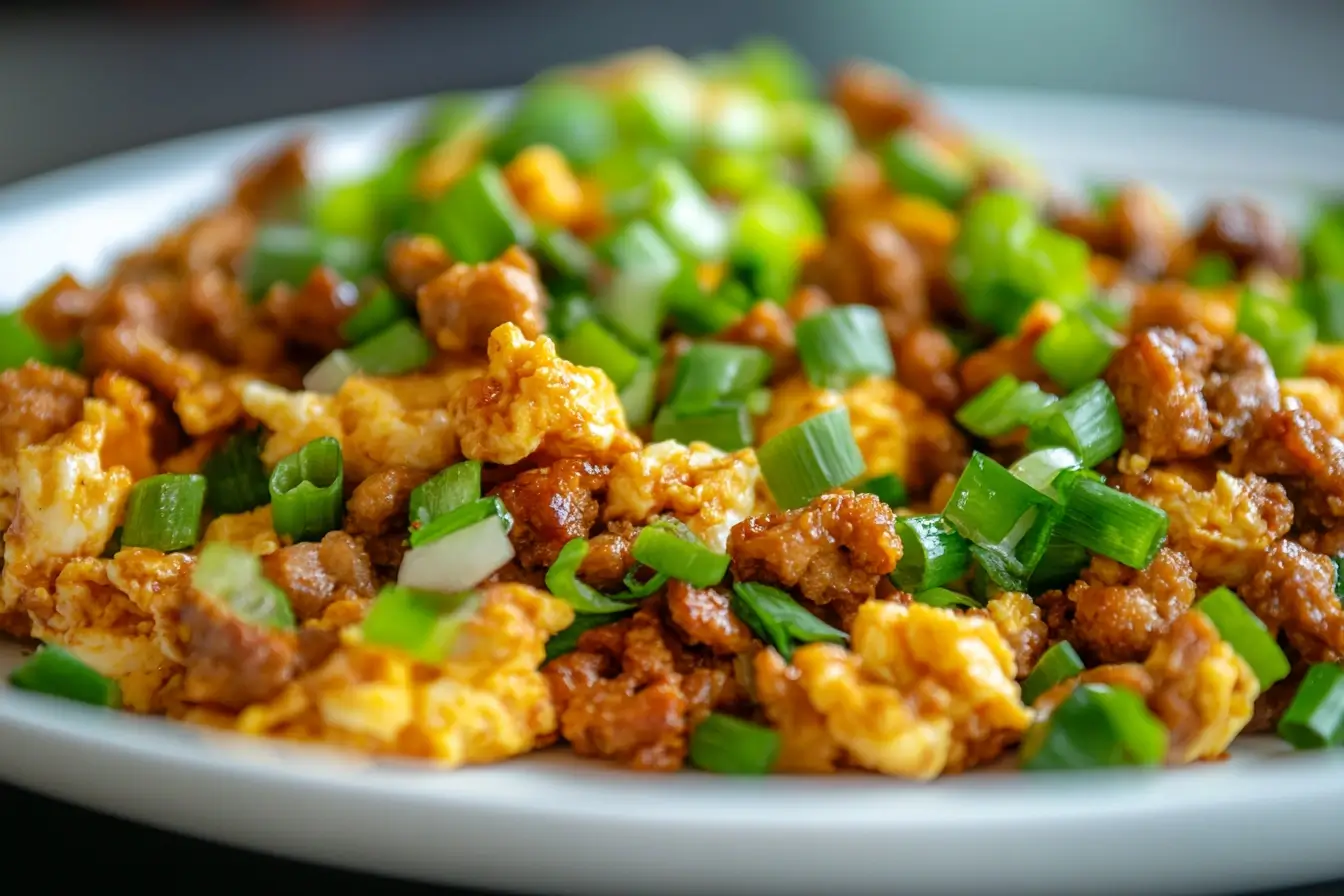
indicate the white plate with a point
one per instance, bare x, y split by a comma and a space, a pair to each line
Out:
550, 824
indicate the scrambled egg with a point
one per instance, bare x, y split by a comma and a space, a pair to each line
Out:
706, 489
253, 530
924, 691
532, 402
486, 702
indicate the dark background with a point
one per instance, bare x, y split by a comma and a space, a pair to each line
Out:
81, 80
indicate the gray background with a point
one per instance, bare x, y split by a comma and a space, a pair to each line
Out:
78, 82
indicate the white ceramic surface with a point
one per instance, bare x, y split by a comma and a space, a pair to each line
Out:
550, 824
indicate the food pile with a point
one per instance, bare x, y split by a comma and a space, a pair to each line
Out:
678, 416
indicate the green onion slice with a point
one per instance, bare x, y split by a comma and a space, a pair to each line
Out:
1077, 349
400, 348
1096, 726
730, 746
1315, 718
562, 580
841, 346
567, 641
632, 302
1110, 522
19, 345
1285, 331
236, 479
945, 599
164, 512
889, 488
713, 373
1059, 663
1059, 566
933, 553
378, 311
1039, 469
56, 672
288, 253
460, 517
1087, 422
590, 344
232, 576
1247, 635
469, 545
805, 460
917, 165
1003, 406
424, 624
1323, 297
726, 427
669, 547
308, 491
778, 619
640, 395
446, 491
565, 253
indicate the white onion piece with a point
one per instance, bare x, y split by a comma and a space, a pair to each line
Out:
460, 561
330, 373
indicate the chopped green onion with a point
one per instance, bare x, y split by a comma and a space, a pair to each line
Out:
1001, 569
916, 165
1246, 634
328, 375
841, 346
347, 209
113, 546
697, 313
1077, 349
736, 174
1096, 726
458, 557
805, 460
1110, 522
1315, 718
19, 345
638, 590
399, 349
1086, 421
672, 549
574, 119
1059, 566
478, 219
164, 512
945, 599
933, 553
640, 395
1003, 406
1214, 269
1285, 331
567, 641
659, 109
774, 69
232, 576
460, 517
712, 373
1324, 245
632, 302
592, 345
56, 672
1323, 297
729, 746
446, 491
567, 312
562, 580
424, 624
1339, 577
568, 255
287, 253
758, 405
683, 214
994, 509
1039, 469
824, 141
738, 120
1059, 663
236, 480
889, 488
778, 619
773, 225
375, 314
726, 427
308, 491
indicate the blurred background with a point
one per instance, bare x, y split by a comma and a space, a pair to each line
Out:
84, 79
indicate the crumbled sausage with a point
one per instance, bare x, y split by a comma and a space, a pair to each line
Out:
926, 362
1293, 590
1241, 387
312, 314
1249, 236
766, 326
1223, 531
1157, 379
871, 263
461, 307
1137, 227
925, 691
413, 261
272, 179
550, 506
317, 574
623, 695
609, 559
704, 616
1290, 442
378, 513
1201, 689
1120, 612
1022, 627
230, 661
878, 100
58, 313
833, 550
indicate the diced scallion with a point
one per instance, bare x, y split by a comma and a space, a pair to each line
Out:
307, 491
1086, 421
232, 576
1285, 331
478, 219
1077, 349
236, 480
424, 624
1059, 663
933, 553
672, 549
842, 345
889, 488
1247, 635
562, 580
778, 620
731, 746
725, 426
164, 512
1315, 718
1096, 726
1109, 522
448, 490
713, 373
1003, 406
805, 460
56, 672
